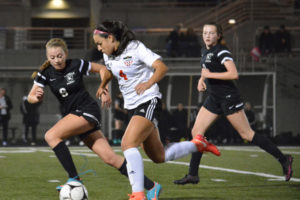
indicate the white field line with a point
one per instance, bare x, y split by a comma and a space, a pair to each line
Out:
233, 170
89, 154
257, 149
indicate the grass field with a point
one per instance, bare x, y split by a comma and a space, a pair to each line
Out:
241, 173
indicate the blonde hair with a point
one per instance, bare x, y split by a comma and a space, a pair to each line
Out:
54, 42
57, 42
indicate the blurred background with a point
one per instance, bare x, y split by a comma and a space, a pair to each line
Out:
263, 35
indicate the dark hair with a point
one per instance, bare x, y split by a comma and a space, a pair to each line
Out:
119, 30
219, 30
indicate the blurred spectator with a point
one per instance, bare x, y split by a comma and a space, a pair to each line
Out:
173, 45
283, 40
31, 118
190, 44
266, 41
120, 115
180, 117
5, 107
164, 125
255, 54
250, 115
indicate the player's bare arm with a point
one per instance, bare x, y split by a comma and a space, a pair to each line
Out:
36, 94
160, 71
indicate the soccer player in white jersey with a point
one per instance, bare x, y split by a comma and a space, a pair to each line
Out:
138, 70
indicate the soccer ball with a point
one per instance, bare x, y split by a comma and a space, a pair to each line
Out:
73, 190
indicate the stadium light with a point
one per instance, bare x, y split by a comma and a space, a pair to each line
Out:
57, 4
231, 21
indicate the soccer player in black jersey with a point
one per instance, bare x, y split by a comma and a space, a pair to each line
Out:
81, 112
217, 75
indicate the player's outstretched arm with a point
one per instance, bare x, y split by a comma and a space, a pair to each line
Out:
36, 94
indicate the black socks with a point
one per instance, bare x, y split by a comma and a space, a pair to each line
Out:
194, 163
266, 144
64, 156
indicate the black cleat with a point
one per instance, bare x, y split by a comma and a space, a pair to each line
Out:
187, 179
287, 167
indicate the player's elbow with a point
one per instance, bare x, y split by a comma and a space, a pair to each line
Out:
235, 76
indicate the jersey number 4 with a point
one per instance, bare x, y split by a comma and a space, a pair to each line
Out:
121, 73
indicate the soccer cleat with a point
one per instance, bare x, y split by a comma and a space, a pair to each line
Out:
58, 188
137, 196
187, 179
154, 193
203, 145
287, 167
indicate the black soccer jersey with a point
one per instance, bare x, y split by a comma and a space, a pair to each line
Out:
213, 59
67, 84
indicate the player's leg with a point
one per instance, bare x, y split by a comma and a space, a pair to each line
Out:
240, 123
156, 152
203, 121
98, 143
68, 126
136, 133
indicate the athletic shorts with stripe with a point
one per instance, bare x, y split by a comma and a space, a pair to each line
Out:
228, 105
90, 112
150, 110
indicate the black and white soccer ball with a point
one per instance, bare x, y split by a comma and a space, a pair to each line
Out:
73, 190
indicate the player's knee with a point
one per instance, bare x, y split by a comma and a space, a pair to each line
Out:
247, 135
48, 137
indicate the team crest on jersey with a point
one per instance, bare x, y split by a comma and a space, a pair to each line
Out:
70, 78
128, 60
208, 57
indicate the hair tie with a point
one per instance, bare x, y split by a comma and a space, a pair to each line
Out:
96, 31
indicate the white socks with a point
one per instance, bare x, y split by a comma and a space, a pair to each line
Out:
179, 150
135, 169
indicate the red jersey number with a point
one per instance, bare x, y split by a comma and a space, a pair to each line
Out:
121, 73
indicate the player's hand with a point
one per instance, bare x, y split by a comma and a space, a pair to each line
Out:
105, 100
201, 85
103, 95
140, 88
101, 91
39, 93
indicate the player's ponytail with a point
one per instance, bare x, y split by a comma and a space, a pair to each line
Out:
42, 67
119, 30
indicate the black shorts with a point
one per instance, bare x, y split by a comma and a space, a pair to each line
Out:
119, 115
91, 113
150, 110
225, 106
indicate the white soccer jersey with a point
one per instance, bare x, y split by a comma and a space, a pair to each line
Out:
132, 67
